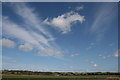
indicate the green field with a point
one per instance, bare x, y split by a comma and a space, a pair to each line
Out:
82, 77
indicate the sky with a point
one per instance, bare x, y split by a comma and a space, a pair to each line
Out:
60, 36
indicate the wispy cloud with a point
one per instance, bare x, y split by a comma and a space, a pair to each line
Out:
117, 53
103, 19
64, 22
79, 8
7, 43
105, 56
50, 52
72, 55
26, 47
31, 31
91, 45
33, 19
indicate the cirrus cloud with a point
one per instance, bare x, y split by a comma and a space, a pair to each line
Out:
79, 8
72, 55
50, 52
30, 30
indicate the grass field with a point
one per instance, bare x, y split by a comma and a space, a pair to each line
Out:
82, 77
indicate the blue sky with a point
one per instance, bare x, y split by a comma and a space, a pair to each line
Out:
66, 37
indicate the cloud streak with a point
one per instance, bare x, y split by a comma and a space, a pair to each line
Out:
79, 8
72, 55
30, 31
103, 18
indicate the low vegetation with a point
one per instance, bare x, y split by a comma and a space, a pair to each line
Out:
30, 75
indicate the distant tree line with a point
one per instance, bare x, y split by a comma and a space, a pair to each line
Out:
20, 72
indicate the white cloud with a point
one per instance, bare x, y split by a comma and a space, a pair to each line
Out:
117, 53
12, 29
26, 47
72, 55
7, 43
95, 65
79, 8
50, 52
64, 21
29, 30
105, 56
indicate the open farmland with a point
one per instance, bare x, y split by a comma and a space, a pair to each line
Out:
32, 75
82, 77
